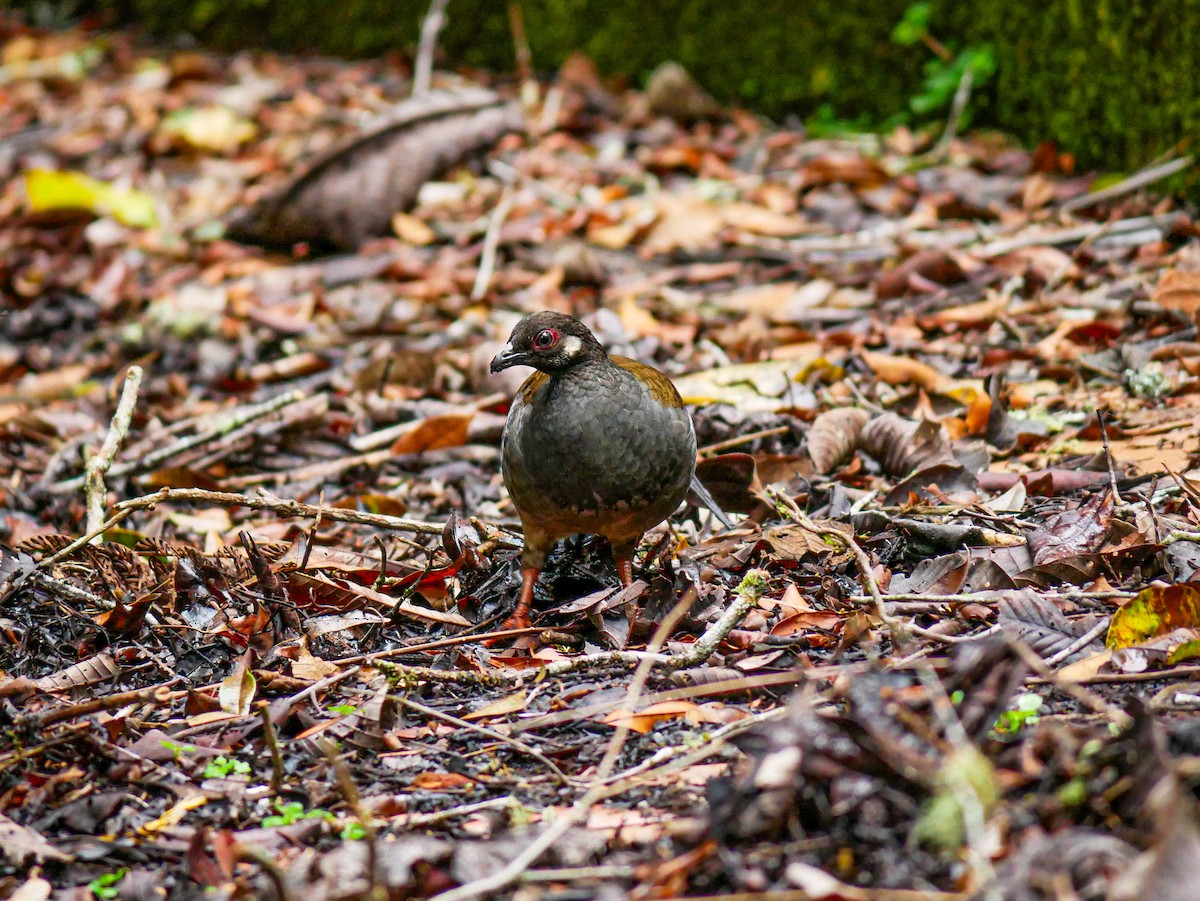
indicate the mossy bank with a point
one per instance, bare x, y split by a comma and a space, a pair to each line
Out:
1114, 81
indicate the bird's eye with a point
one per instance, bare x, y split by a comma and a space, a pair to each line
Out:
547, 337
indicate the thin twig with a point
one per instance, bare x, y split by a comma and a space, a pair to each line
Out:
491, 241
272, 739
957, 107
895, 628
1108, 458
431, 26
1079, 643
516, 22
739, 440
223, 423
721, 687
974, 815
439, 644
517, 744
490, 885
638, 683
1071, 689
1139, 179
753, 586
353, 800
421, 820
94, 490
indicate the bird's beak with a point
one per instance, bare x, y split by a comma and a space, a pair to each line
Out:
507, 357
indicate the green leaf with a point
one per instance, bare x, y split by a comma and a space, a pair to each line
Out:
965, 775
105, 886
353, 832
914, 25
50, 189
1155, 612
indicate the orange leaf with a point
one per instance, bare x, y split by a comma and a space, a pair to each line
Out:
645, 720
441, 781
435, 432
903, 371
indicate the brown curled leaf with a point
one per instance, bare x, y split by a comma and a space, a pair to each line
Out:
834, 437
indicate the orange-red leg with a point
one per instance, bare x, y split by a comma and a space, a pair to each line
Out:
624, 568
520, 615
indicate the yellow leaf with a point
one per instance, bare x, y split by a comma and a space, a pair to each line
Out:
49, 189
509, 704
1153, 612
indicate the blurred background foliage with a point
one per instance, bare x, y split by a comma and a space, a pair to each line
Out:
1112, 81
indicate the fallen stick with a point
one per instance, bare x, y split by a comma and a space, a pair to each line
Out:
431, 26
225, 423
99, 463
279, 505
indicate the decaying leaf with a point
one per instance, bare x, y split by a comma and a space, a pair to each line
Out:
1074, 532
901, 445
645, 719
96, 669
1035, 620
732, 481
769, 385
351, 192
1155, 611
1178, 290
513, 703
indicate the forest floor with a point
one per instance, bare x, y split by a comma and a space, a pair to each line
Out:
947, 393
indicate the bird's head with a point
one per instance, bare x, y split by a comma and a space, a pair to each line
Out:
550, 342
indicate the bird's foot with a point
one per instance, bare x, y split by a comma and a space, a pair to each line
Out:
520, 615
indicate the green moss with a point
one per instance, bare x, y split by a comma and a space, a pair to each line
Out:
777, 56
1114, 81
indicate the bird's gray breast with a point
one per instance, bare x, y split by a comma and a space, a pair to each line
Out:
594, 438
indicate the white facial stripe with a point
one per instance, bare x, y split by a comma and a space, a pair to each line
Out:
572, 345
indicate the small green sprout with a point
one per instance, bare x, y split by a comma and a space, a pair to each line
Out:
223, 766
1026, 707
177, 750
292, 812
106, 886
353, 832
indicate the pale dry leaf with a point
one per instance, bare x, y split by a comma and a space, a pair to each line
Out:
1178, 290
513, 703
17, 843
685, 222
237, 690
101, 668
761, 221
